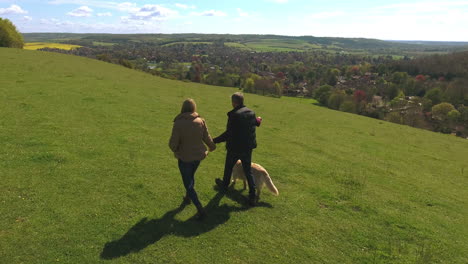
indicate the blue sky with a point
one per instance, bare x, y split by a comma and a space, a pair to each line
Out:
390, 20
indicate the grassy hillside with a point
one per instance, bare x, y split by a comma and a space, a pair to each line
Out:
86, 176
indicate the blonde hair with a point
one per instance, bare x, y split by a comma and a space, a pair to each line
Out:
189, 106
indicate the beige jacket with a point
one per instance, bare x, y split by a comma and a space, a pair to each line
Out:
188, 135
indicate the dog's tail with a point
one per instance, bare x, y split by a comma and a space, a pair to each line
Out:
270, 185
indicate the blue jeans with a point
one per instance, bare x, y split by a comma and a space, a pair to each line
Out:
188, 169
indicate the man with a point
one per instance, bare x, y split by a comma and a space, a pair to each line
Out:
240, 140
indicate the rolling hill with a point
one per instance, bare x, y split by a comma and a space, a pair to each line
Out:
259, 43
86, 176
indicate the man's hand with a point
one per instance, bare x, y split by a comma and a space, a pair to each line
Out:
259, 120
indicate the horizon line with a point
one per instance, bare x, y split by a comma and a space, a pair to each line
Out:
249, 34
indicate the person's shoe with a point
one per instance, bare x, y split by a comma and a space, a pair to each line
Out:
220, 183
201, 213
252, 201
186, 200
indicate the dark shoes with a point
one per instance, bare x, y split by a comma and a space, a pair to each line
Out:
186, 200
220, 183
201, 213
252, 201
200, 216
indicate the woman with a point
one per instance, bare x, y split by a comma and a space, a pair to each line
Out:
188, 139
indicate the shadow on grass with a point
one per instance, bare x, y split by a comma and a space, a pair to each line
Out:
147, 232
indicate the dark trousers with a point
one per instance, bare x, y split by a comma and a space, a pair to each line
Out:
246, 159
188, 169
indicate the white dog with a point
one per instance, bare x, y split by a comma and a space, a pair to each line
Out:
260, 176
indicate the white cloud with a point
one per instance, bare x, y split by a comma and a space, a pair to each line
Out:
127, 7
123, 26
124, 6
153, 12
104, 14
13, 9
242, 13
82, 11
209, 13
183, 6
27, 18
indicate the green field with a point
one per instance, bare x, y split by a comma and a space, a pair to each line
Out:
86, 176
97, 43
41, 45
275, 45
188, 43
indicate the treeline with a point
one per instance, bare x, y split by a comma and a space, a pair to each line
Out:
448, 66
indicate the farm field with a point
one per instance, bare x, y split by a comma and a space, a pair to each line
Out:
87, 176
41, 45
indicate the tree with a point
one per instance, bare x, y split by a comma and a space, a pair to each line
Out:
390, 91
441, 111
278, 89
322, 94
126, 63
435, 95
9, 35
249, 85
453, 115
332, 76
463, 114
420, 78
457, 92
399, 77
348, 106
336, 99
264, 86
280, 75
359, 95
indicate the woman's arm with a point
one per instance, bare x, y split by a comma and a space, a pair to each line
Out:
207, 138
175, 139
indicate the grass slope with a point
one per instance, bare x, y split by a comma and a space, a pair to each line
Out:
87, 177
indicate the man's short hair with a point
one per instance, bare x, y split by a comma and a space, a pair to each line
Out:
238, 98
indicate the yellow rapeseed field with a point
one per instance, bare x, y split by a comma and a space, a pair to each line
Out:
40, 45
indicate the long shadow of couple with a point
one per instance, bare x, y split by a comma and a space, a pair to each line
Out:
147, 232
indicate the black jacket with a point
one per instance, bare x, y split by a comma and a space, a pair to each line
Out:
240, 132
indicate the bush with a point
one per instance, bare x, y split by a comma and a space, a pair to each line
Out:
394, 117
322, 94
453, 115
336, 99
463, 113
126, 63
441, 111
359, 95
348, 106
435, 95
9, 35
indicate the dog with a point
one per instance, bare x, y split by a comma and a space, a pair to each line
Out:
260, 176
